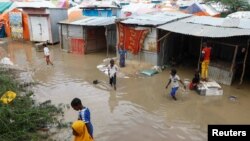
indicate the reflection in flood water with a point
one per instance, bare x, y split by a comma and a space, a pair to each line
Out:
140, 108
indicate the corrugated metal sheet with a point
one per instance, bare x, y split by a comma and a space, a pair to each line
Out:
205, 20
220, 75
35, 4
55, 16
155, 19
221, 27
240, 15
221, 22
91, 21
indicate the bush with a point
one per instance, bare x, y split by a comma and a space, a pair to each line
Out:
23, 118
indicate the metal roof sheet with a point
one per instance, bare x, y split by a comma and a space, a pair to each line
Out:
91, 21
155, 19
221, 22
35, 4
240, 15
214, 29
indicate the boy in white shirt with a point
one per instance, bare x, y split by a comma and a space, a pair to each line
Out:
46, 54
112, 70
174, 78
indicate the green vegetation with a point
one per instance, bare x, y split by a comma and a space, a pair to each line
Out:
22, 119
233, 5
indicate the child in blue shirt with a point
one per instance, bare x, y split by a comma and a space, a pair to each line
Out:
84, 114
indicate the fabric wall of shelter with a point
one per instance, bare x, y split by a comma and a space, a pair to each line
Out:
2, 31
26, 34
16, 25
131, 38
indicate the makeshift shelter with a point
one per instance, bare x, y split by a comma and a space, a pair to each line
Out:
226, 36
201, 10
138, 34
22, 31
88, 34
43, 23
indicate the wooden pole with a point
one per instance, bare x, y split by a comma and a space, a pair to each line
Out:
86, 40
227, 44
61, 37
244, 65
233, 62
163, 51
106, 35
164, 36
198, 66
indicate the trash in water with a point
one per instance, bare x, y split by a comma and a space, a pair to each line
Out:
232, 98
95, 82
8, 97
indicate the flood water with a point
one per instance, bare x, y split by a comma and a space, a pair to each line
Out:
140, 108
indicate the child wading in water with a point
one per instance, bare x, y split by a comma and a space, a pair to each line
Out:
174, 78
112, 69
47, 54
84, 114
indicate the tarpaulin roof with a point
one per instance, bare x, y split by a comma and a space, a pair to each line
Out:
91, 21
155, 19
209, 27
201, 8
4, 6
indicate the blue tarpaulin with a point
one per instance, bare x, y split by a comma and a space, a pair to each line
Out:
4, 6
98, 12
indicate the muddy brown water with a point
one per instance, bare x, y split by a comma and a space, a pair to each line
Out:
140, 108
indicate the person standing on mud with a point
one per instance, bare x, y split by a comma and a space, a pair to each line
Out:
173, 79
112, 70
84, 114
47, 54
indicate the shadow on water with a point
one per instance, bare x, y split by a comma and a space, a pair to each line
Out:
140, 108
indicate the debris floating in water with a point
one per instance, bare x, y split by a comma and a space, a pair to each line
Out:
232, 98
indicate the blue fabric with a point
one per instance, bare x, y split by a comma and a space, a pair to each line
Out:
173, 91
97, 12
2, 32
122, 57
194, 9
84, 115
